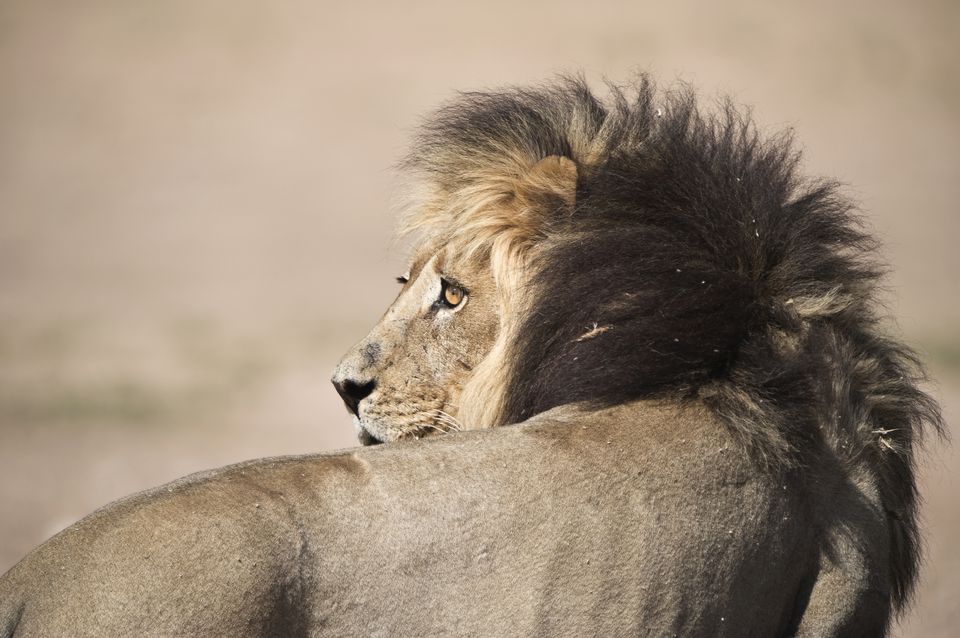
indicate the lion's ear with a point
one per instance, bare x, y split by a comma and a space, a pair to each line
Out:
550, 184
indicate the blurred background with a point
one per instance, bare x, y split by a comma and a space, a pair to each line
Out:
195, 207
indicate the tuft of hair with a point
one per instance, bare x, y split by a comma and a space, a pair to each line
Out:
654, 250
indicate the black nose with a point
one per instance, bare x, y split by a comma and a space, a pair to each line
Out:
353, 393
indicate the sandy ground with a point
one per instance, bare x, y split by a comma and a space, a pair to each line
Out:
195, 207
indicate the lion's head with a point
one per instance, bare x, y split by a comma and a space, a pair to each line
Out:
405, 378
598, 252
428, 366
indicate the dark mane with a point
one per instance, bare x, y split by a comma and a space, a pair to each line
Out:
698, 263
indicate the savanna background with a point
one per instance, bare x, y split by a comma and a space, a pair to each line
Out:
195, 207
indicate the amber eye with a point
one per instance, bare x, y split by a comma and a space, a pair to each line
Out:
451, 294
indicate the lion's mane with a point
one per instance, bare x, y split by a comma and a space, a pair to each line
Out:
696, 264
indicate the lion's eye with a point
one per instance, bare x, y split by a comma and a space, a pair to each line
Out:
451, 294
402, 279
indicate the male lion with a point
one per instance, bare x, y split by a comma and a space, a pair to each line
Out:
713, 436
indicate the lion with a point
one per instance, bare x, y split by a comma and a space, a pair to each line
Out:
667, 402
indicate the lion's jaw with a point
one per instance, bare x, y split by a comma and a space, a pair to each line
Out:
406, 377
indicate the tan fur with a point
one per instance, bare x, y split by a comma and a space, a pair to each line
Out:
643, 519
498, 209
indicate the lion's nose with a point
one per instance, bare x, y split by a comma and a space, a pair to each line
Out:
353, 392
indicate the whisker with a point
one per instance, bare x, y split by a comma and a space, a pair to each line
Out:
449, 419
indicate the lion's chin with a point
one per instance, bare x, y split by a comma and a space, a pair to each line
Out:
366, 438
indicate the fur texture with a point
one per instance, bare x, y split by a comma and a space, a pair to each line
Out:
693, 262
